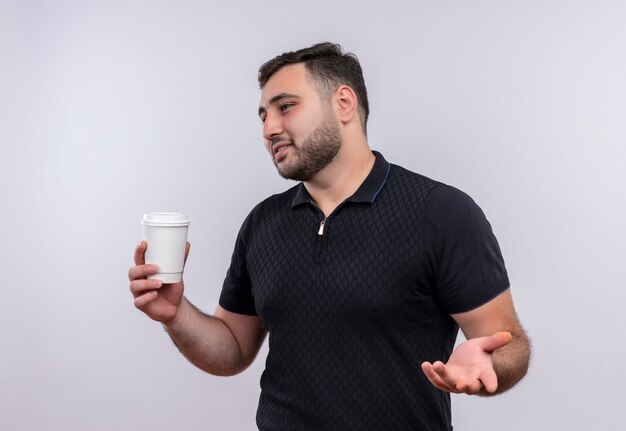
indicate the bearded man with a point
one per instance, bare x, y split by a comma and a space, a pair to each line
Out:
361, 274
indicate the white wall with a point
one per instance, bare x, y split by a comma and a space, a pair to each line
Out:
112, 109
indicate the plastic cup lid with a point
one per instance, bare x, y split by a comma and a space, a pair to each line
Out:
165, 219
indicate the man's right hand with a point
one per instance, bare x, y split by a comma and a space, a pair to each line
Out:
223, 345
161, 302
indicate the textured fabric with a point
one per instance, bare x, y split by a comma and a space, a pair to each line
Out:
352, 313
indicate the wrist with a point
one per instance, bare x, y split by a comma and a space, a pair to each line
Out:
178, 321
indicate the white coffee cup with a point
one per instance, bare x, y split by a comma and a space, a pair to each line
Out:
166, 235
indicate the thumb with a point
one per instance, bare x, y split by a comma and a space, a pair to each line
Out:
495, 341
187, 247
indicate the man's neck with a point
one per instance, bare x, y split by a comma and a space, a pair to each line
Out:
341, 178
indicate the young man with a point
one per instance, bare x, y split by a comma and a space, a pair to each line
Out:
361, 274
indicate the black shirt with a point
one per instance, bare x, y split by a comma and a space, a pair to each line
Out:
353, 308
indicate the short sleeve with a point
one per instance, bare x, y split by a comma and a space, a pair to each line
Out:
236, 293
464, 261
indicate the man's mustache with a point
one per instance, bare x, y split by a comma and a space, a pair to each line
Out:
276, 139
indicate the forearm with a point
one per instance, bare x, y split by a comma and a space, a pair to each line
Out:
206, 341
510, 362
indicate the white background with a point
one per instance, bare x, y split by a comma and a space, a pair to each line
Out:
112, 109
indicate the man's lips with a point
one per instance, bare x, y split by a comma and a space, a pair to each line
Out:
280, 149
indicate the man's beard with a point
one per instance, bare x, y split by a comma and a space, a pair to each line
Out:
315, 153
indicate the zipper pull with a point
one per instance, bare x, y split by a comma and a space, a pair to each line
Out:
321, 231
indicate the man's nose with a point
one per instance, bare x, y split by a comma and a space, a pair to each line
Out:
272, 126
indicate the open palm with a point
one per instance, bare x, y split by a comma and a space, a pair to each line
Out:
470, 367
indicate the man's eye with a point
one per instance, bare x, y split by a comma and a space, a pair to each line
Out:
285, 106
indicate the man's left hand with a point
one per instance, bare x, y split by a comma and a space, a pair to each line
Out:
470, 367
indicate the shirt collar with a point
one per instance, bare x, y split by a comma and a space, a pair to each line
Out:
367, 191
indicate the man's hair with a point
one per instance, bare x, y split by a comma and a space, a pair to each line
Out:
329, 67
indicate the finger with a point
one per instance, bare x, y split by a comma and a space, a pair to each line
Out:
141, 271
145, 299
140, 253
495, 341
449, 379
141, 286
489, 380
187, 247
469, 387
434, 378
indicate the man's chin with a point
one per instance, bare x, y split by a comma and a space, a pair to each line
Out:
292, 174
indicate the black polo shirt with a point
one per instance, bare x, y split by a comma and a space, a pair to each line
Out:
356, 302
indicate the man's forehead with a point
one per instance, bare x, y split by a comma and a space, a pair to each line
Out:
290, 79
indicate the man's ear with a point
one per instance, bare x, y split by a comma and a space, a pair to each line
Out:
346, 104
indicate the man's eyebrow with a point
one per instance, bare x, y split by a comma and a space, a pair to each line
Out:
276, 98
